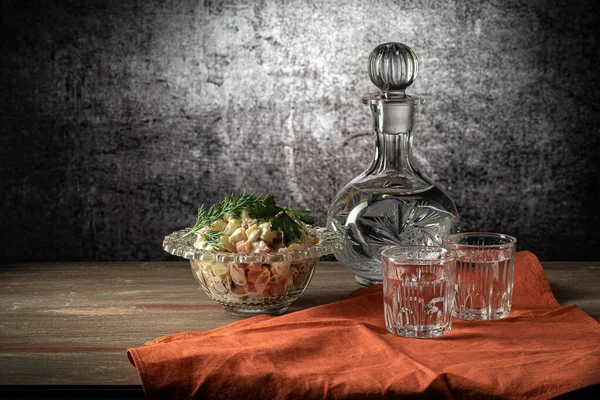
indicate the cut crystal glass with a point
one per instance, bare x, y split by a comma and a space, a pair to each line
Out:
391, 202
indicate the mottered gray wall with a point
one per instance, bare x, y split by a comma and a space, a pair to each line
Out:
118, 118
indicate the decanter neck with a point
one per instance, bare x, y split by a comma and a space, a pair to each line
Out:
392, 123
393, 152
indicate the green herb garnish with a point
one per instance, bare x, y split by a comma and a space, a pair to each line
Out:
230, 205
261, 207
213, 238
282, 218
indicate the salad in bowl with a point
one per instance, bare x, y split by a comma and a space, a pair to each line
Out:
251, 255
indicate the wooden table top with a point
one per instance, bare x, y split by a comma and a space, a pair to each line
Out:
71, 323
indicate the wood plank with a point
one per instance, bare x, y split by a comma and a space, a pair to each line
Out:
70, 323
576, 283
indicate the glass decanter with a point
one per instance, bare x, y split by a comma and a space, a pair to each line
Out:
391, 202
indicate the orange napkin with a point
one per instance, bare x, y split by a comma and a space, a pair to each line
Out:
342, 350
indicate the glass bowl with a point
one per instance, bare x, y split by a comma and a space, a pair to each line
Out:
253, 283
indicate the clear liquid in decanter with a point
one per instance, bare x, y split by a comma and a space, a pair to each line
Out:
372, 219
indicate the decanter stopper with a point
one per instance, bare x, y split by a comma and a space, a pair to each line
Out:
393, 67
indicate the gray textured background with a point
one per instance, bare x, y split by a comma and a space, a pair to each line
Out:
118, 118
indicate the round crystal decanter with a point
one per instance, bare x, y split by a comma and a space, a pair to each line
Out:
391, 202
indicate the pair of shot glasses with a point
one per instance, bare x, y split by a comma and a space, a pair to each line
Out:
470, 277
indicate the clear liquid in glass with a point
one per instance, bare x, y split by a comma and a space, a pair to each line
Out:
483, 287
419, 306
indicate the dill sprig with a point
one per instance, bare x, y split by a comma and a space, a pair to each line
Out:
231, 205
261, 207
234, 205
213, 238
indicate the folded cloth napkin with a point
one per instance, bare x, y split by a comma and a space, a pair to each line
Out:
342, 350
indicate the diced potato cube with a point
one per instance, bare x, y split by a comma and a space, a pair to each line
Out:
227, 245
238, 235
232, 225
218, 225
266, 233
260, 247
253, 233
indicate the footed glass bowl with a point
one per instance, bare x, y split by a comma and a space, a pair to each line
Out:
253, 283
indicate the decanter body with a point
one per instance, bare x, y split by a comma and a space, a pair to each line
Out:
391, 202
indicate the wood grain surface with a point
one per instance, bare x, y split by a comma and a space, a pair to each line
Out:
71, 323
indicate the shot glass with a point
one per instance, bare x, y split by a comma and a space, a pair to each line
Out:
418, 290
484, 274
